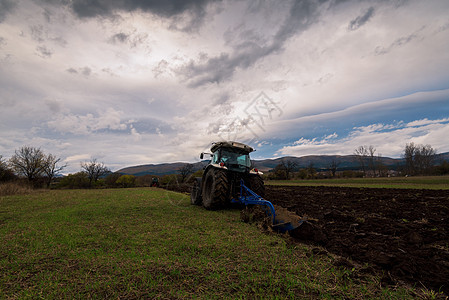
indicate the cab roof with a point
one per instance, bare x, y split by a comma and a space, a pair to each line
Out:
233, 145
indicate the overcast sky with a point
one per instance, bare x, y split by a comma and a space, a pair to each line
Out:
133, 82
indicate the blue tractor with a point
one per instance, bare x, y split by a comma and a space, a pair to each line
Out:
230, 178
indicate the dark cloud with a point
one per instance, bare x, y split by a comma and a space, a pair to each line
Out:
37, 33
59, 40
151, 126
396, 44
44, 52
160, 69
72, 70
132, 39
86, 71
361, 20
302, 14
119, 37
40, 34
54, 105
47, 15
6, 6
222, 98
222, 104
174, 9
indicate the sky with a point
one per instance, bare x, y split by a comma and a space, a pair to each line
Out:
133, 82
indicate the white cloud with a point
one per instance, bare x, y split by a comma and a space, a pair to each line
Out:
124, 87
389, 139
87, 124
77, 158
426, 121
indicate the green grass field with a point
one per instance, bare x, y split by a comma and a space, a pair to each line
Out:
151, 243
425, 182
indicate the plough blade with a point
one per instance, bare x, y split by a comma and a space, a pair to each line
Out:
282, 221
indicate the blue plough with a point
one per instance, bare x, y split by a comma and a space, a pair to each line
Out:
248, 197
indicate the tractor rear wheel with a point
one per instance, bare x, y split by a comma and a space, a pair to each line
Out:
256, 185
215, 190
195, 195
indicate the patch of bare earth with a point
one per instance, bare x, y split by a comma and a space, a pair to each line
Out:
400, 232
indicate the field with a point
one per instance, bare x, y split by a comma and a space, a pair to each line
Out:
402, 232
427, 182
151, 243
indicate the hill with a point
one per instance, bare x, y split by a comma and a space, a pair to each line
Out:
158, 169
345, 162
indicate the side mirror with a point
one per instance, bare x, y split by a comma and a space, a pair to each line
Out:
201, 155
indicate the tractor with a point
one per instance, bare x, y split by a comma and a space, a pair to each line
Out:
230, 178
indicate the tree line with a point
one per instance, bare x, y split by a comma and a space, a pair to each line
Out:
41, 169
37, 167
30, 163
418, 160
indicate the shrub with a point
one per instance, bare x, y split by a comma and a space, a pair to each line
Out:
443, 168
111, 179
302, 174
169, 179
126, 181
14, 188
6, 174
75, 181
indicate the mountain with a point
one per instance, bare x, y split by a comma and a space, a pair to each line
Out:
344, 162
158, 169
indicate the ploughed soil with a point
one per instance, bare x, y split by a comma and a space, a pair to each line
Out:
403, 233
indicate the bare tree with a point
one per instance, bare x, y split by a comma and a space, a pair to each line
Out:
29, 162
382, 170
51, 168
425, 159
372, 159
409, 156
366, 155
419, 159
311, 171
5, 172
3, 167
362, 153
333, 166
94, 170
185, 171
288, 166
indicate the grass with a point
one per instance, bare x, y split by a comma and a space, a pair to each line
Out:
151, 243
425, 182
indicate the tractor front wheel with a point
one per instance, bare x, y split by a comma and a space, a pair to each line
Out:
215, 190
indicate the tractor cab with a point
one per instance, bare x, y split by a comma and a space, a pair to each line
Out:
231, 156
233, 159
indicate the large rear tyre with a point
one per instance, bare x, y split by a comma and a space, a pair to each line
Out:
215, 190
195, 195
255, 183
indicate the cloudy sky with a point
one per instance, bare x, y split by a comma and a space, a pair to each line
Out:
132, 82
